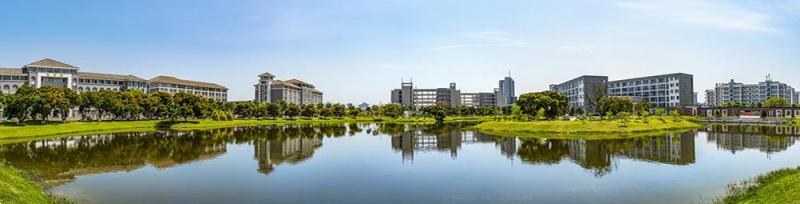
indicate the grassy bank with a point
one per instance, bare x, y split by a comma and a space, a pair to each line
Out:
595, 129
12, 132
17, 187
781, 186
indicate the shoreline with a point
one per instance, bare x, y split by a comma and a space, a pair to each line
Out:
778, 186
11, 133
595, 129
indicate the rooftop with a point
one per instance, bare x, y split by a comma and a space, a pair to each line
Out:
50, 63
10, 71
266, 74
117, 77
173, 80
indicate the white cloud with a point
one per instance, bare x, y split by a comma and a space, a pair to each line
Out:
718, 14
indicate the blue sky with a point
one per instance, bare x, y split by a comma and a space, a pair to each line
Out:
358, 50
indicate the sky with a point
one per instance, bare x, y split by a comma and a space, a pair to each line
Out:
358, 50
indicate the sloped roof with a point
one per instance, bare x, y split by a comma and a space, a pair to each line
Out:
283, 83
266, 74
10, 71
300, 83
47, 62
90, 75
173, 80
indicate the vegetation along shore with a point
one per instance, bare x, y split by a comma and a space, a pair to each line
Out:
781, 186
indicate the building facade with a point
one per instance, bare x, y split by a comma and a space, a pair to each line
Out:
580, 89
506, 86
174, 85
408, 95
291, 91
735, 92
670, 91
49, 72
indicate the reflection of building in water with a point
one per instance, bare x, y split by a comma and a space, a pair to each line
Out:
599, 155
292, 150
768, 139
412, 141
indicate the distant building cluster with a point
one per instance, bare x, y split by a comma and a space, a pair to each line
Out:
291, 91
735, 92
49, 72
408, 95
669, 91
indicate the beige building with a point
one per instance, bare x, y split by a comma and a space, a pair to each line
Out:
49, 72
290, 91
174, 85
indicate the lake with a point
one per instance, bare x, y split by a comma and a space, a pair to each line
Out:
389, 163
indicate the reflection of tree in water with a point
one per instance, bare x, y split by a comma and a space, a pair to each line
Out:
444, 138
767, 139
598, 155
60, 160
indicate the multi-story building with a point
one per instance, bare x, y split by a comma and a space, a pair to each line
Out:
49, 72
174, 85
506, 87
796, 98
290, 91
581, 89
734, 92
670, 91
407, 95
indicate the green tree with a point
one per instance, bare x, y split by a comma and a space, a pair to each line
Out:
292, 111
392, 110
616, 104
339, 110
325, 112
187, 104
660, 112
642, 106
274, 110
309, 111
776, 102
438, 111
49, 99
554, 103
20, 104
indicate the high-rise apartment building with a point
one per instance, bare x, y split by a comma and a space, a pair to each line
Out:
735, 92
506, 86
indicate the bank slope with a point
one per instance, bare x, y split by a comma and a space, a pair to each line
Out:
16, 187
781, 186
585, 129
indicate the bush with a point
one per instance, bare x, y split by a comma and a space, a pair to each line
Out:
660, 112
623, 115
675, 115
218, 115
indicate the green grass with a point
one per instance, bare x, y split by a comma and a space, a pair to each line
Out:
17, 187
596, 129
781, 186
12, 132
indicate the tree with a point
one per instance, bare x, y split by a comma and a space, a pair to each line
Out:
20, 104
642, 106
596, 94
274, 110
392, 110
775, 102
166, 106
354, 112
616, 104
660, 112
291, 111
309, 111
48, 99
554, 103
438, 111
2, 101
339, 110
73, 100
187, 104
325, 112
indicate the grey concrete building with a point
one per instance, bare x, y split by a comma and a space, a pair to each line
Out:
408, 95
669, 91
796, 98
580, 89
735, 92
290, 91
506, 86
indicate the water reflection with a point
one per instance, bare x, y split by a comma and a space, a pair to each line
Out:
60, 160
767, 139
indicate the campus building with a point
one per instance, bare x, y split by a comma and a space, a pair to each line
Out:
581, 89
174, 85
49, 72
506, 87
669, 91
735, 92
291, 91
408, 95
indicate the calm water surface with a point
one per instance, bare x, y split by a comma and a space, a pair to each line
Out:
379, 163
